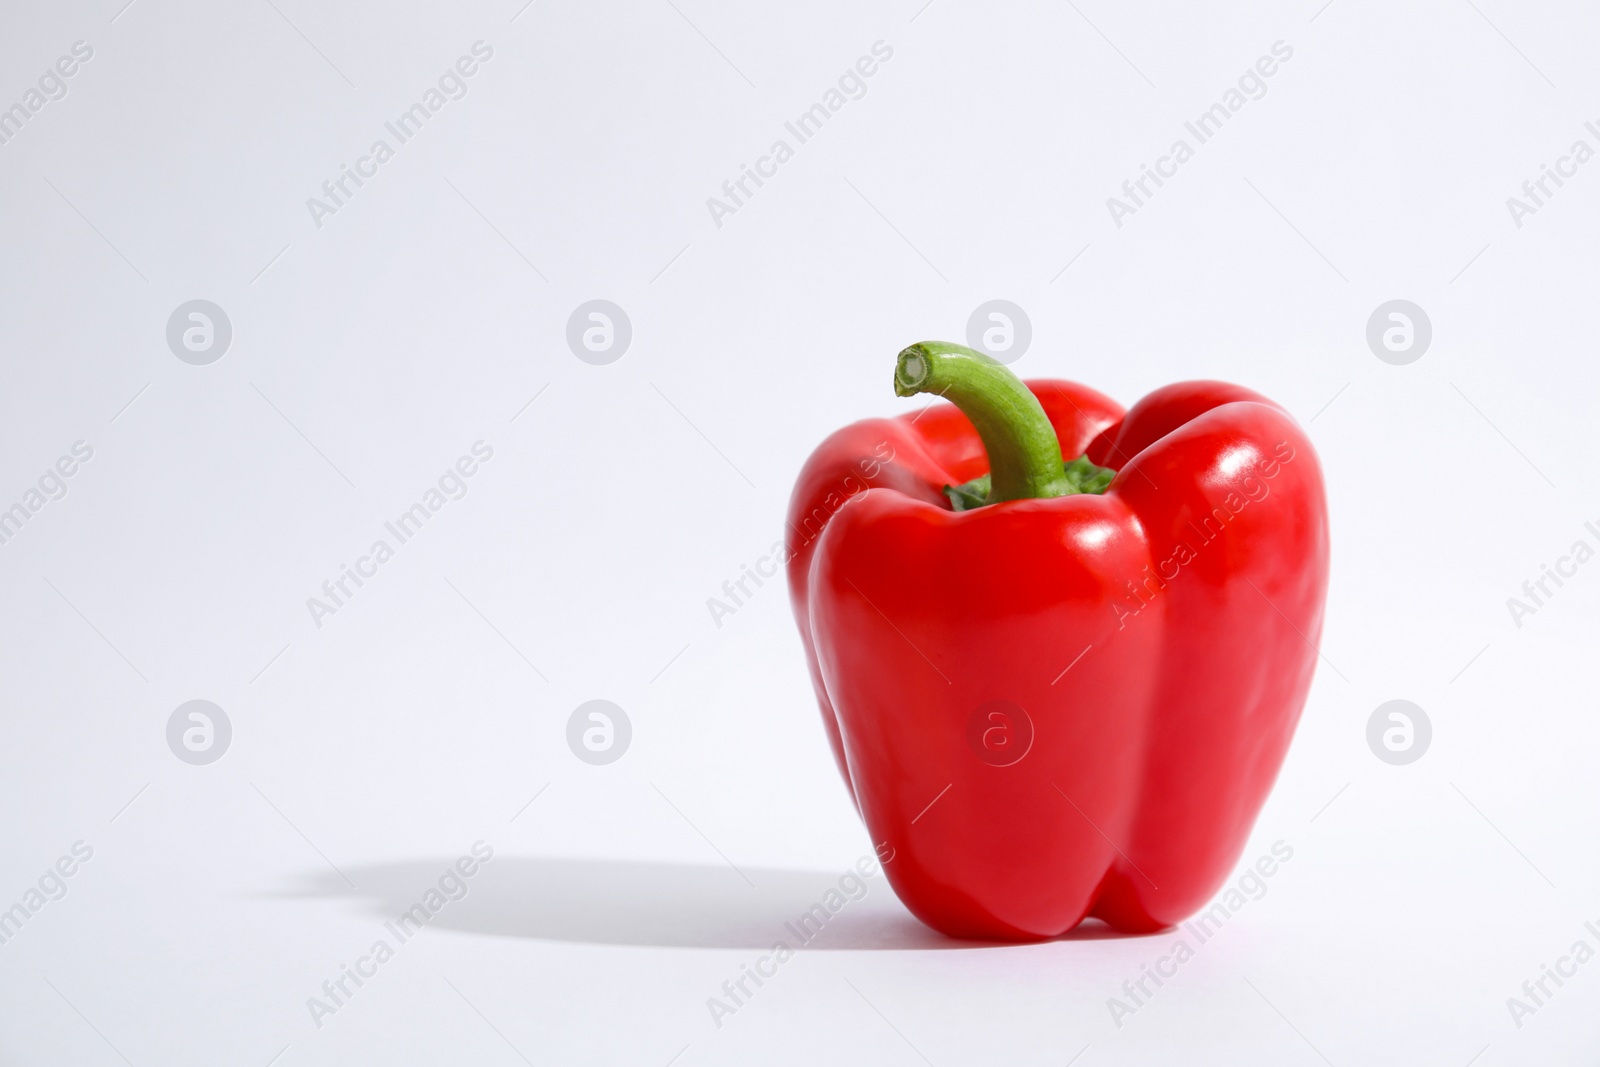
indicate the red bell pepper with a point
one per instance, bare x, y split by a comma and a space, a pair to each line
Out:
1054, 698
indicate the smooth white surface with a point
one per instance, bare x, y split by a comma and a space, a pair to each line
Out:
415, 322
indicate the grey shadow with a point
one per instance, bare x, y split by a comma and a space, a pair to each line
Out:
669, 905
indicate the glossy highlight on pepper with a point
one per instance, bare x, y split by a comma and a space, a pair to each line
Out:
1060, 649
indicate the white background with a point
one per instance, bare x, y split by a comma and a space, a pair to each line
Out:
369, 353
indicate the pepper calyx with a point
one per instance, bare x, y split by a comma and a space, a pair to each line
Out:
1082, 477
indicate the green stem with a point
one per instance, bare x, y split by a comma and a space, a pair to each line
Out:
1024, 454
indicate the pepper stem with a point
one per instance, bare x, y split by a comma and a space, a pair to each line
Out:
1024, 454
